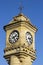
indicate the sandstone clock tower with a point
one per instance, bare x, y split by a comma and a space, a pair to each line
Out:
20, 41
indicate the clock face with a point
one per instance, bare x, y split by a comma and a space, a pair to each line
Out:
29, 37
14, 36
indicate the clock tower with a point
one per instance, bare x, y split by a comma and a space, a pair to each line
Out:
20, 41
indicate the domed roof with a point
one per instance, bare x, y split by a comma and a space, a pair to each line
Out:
19, 17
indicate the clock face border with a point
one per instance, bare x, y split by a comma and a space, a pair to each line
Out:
29, 38
13, 36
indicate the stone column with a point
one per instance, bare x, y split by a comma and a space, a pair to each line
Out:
14, 60
27, 61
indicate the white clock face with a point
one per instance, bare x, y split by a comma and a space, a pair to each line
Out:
14, 36
29, 37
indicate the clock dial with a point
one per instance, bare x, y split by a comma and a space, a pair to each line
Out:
14, 36
29, 37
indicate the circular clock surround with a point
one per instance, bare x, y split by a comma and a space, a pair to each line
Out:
29, 38
14, 36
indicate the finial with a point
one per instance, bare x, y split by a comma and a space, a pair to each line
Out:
21, 7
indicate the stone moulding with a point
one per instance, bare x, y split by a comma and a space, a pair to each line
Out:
19, 23
20, 52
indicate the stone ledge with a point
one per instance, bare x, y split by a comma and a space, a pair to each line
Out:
20, 52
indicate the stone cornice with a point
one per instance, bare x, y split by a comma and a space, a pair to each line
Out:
19, 23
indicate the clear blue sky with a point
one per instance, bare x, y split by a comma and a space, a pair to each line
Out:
32, 9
